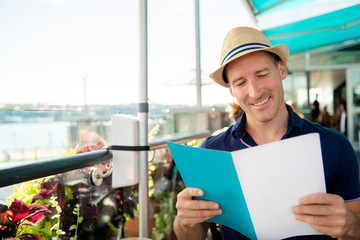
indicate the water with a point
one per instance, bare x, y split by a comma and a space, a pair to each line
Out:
19, 140
28, 136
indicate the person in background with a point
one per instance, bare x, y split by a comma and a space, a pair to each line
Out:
315, 109
343, 125
235, 112
253, 70
325, 118
292, 104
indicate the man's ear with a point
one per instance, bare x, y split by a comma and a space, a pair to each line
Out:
230, 89
283, 70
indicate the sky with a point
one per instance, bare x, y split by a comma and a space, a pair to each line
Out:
48, 47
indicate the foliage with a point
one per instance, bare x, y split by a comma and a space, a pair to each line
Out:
77, 208
151, 166
153, 132
19, 214
79, 220
56, 227
164, 218
166, 196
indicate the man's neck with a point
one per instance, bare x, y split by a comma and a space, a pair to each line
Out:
267, 132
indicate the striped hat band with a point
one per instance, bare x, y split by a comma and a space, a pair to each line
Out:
242, 48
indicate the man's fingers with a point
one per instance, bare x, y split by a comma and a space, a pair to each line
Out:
320, 220
190, 211
196, 204
191, 217
323, 224
321, 198
203, 214
190, 192
316, 209
321, 204
185, 201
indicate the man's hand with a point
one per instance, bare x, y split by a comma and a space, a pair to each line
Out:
191, 212
328, 214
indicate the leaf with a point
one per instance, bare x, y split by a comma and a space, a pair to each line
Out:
29, 236
47, 228
20, 210
72, 151
80, 219
55, 226
60, 232
72, 227
37, 212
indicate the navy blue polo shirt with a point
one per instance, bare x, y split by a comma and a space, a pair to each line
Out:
339, 159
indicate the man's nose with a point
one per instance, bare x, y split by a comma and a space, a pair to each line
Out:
254, 89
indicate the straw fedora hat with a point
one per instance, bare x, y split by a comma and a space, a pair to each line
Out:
241, 41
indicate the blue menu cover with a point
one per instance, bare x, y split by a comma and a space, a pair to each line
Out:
257, 187
196, 165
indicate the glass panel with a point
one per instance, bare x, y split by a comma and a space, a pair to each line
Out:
26, 135
353, 105
29, 135
295, 88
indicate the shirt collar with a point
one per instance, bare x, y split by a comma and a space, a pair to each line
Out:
295, 122
239, 126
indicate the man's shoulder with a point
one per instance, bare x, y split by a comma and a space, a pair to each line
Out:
326, 134
335, 146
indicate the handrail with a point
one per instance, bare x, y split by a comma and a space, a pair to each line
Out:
161, 143
28, 171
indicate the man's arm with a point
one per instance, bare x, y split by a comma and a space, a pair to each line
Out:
330, 215
192, 214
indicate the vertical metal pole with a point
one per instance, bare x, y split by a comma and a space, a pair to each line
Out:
198, 55
86, 109
352, 77
249, 6
307, 67
143, 109
307, 75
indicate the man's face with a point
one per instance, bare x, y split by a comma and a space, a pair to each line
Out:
255, 80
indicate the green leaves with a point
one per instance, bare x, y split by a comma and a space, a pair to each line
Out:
164, 218
76, 212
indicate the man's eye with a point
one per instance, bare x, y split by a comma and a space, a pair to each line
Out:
238, 84
263, 75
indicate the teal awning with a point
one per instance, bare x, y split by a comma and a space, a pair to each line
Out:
308, 24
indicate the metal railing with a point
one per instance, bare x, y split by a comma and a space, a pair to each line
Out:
43, 168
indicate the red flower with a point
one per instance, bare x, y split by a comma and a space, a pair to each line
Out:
19, 210
90, 148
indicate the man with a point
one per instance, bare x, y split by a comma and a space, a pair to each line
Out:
252, 69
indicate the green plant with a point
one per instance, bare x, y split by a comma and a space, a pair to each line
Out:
78, 221
57, 216
19, 214
164, 218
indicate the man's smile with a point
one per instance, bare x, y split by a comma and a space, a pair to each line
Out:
262, 102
